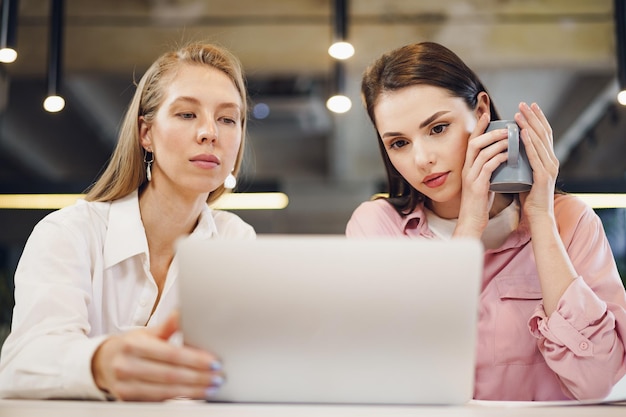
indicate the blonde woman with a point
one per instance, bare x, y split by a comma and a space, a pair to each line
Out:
95, 288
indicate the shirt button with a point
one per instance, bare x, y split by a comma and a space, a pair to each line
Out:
584, 345
143, 302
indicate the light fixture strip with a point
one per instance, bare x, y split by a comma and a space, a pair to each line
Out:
229, 201
594, 200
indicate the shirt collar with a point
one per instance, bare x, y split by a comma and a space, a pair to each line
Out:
125, 236
206, 228
415, 223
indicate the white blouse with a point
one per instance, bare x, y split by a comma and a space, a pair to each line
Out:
498, 227
85, 274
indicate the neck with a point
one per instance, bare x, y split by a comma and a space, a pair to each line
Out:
167, 218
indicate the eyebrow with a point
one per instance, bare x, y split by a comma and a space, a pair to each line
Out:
432, 118
186, 99
196, 101
425, 123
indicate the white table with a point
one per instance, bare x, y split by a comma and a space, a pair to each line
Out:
52, 408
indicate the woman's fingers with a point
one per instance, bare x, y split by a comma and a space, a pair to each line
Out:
140, 365
485, 153
146, 391
153, 360
538, 140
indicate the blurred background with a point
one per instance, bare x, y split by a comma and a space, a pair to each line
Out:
562, 54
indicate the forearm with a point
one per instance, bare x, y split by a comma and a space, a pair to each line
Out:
554, 267
53, 366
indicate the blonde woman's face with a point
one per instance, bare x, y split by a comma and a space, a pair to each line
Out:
197, 131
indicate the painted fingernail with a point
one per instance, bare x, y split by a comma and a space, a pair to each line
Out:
216, 366
210, 392
217, 381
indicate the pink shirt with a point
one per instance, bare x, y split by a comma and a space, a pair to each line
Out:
578, 352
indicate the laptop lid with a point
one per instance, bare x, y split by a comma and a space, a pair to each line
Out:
326, 319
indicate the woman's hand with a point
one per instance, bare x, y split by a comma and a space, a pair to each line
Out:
555, 268
536, 134
485, 152
142, 365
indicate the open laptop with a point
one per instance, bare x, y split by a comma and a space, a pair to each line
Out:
326, 319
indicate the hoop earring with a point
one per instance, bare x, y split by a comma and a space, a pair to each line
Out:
148, 162
230, 182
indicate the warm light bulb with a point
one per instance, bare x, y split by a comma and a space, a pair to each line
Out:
341, 50
8, 55
54, 104
621, 97
339, 104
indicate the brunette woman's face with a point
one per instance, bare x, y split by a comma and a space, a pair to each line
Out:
425, 131
197, 131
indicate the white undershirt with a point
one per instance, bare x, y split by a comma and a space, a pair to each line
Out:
498, 228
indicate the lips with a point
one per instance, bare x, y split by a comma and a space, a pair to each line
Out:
435, 180
205, 161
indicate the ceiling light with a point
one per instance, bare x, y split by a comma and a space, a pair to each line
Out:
341, 48
339, 102
54, 102
8, 25
261, 111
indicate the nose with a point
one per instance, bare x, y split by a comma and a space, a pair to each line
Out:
207, 133
423, 154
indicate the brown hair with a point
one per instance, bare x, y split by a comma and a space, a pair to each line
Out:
125, 171
425, 63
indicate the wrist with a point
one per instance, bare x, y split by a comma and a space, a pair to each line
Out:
467, 231
543, 222
98, 361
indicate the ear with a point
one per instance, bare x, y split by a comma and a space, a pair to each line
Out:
483, 103
144, 133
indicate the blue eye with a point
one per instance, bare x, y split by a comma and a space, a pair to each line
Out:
187, 115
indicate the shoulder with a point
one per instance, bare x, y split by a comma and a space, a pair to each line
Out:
70, 230
80, 217
377, 208
375, 218
570, 208
573, 215
230, 225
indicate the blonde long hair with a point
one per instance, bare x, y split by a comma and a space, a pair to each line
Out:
126, 171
